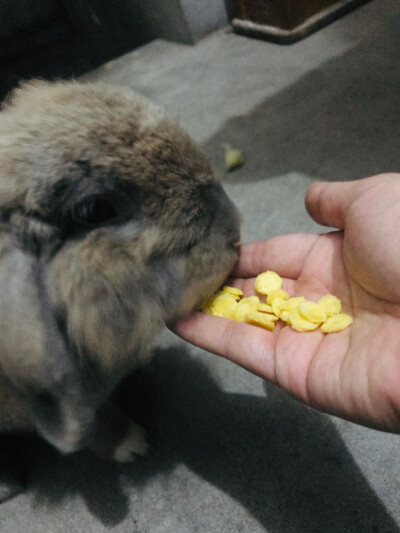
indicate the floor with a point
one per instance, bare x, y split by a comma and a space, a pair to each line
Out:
232, 453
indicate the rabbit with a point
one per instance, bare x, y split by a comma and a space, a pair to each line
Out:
112, 225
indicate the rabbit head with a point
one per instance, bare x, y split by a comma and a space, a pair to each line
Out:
121, 211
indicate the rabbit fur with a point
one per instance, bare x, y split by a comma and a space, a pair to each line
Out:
111, 225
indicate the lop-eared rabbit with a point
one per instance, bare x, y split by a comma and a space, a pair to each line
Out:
111, 225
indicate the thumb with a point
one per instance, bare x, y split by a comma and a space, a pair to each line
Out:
327, 203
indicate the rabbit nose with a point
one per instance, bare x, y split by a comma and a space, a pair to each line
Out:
228, 220
226, 215
237, 222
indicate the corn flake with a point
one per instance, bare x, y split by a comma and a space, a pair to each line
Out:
331, 304
300, 323
267, 282
233, 290
277, 293
336, 323
264, 308
260, 319
312, 312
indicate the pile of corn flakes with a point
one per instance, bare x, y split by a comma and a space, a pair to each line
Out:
297, 312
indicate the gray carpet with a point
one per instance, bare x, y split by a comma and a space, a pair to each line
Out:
231, 453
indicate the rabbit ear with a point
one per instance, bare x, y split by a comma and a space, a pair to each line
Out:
34, 356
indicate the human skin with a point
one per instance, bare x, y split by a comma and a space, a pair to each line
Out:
355, 373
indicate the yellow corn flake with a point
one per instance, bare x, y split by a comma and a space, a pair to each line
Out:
293, 303
278, 293
277, 306
233, 157
331, 304
313, 312
207, 304
336, 323
232, 290
251, 299
267, 282
230, 311
260, 319
285, 316
271, 317
243, 308
300, 323
218, 304
264, 308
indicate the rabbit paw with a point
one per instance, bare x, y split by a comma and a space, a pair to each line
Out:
134, 443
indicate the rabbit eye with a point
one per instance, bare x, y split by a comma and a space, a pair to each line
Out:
93, 212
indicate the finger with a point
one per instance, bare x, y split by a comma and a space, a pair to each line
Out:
285, 254
248, 346
327, 203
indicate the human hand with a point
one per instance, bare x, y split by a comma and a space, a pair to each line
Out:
354, 373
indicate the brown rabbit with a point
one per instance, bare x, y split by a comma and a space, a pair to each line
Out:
111, 225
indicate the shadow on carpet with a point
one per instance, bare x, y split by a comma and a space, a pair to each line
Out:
285, 463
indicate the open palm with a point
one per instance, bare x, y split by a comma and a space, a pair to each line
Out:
354, 373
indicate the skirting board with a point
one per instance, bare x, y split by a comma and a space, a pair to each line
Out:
312, 24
